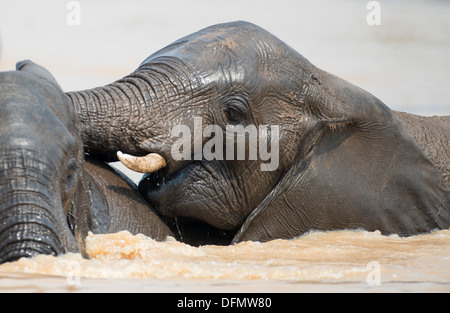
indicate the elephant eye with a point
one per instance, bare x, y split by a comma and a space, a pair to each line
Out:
233, 115
68, 184
235, 112
71, 176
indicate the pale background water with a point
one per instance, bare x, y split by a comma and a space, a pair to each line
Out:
405, 62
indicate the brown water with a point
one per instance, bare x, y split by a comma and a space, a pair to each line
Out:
318, 261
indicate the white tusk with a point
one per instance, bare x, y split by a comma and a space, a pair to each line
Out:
146, 164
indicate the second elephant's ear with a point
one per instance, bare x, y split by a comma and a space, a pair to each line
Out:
33, 68
90, 211
340, 103
356, 168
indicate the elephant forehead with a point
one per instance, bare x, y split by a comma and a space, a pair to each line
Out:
213, 40
235, 74
51, 149
18, 159
233, 53
27, 122
217, 44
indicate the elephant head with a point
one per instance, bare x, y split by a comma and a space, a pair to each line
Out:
50, 197
37, 179
343, 158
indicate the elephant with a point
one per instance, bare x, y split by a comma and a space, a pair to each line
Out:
50, 197
346, 160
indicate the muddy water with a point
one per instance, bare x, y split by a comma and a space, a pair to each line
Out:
318, 261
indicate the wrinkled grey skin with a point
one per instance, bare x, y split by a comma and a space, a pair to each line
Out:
346, 160
49, 197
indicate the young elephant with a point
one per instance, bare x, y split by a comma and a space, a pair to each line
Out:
50, 198
346, 161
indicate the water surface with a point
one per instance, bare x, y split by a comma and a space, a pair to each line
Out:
318, 261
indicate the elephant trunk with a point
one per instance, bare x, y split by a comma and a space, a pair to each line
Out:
131, 114
27, 230
102, 113
31, 220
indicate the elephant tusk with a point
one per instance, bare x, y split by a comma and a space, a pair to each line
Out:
146, 164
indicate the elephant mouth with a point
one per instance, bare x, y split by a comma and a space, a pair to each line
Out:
164, 189
171, 192
180, 191
166, 179
155, 167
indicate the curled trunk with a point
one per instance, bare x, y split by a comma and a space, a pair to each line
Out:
125, 115
104, 120
27, 230
32, 221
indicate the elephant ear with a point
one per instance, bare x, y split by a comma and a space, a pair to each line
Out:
35, 69
89, 211
357, 167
